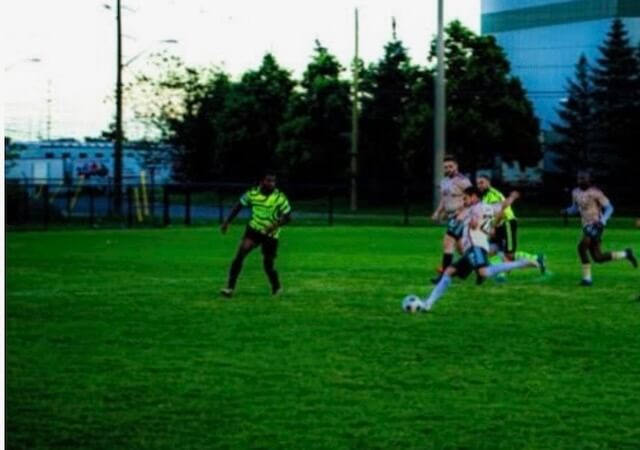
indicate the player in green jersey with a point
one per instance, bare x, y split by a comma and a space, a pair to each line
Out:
505, 239
270, 210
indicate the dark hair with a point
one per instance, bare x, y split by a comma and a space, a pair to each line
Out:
584, 173
450, 158
472, 190
486, 177
268, 172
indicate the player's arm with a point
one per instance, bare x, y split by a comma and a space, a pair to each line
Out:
284, 216
439, 210
571, 210
504, 204
607, 208
282, 221
232, 215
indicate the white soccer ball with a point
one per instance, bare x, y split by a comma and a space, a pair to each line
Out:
412, 304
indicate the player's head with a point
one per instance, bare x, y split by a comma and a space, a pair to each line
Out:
450, 165
483, 182
584, 179
471, 196
268, 181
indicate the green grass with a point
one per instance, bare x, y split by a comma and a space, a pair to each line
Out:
117, 340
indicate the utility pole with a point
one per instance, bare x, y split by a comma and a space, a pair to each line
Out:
354, 122
117, 145
49, 100
440, 112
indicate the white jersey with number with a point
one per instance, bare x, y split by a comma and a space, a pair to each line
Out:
484, 215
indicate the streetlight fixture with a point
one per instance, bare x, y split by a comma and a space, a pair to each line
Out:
17, 63
139, 54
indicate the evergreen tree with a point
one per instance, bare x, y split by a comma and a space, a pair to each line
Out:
489, 116
253, 113
616, 106
388, 91
576, 121
314, 144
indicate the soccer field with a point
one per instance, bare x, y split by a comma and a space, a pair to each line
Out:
118, 340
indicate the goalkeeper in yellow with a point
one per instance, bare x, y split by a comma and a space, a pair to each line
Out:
270, 210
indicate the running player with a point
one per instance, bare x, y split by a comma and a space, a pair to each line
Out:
477, 218
452, 189
270, 210
595, 210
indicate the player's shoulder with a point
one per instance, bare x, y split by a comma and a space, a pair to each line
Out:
253, 190
462, 178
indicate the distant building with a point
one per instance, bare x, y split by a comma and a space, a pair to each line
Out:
543, 40
68, 160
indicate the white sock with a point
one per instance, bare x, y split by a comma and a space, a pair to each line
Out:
586, 272
495, 269
438, 291
622, 254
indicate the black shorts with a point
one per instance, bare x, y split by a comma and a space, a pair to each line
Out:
473, 259
455, 228
269, 244
594, 231
506, 236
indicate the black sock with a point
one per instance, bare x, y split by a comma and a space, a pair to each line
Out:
447, 259
236, 267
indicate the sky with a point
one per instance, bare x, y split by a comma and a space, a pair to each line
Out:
69, 91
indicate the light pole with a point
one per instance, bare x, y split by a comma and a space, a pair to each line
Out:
119, 135
440, 112
354, 122
117, 144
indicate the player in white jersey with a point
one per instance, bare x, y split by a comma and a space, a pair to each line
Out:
451, 203
478, 219
595, 210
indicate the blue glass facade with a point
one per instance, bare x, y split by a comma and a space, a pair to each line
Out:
543, 40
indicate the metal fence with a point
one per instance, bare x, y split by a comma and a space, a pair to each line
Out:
42, 205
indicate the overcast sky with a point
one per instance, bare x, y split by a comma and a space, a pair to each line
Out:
75, 42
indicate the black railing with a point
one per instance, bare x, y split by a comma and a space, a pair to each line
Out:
56, 203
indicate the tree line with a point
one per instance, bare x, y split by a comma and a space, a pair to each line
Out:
230, 129
226, 129
599, 121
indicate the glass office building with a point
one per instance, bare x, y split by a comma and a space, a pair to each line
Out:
543, 40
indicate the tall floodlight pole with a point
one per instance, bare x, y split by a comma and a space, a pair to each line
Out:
439, 119
354, 123
117, 147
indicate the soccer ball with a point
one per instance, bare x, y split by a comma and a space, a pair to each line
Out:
412, 304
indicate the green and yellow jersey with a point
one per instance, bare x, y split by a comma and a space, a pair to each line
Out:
493, 196
265, 209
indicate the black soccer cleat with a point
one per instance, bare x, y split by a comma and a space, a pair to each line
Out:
631, 257
586, 283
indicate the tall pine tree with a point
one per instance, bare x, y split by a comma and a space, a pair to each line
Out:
615, 106
576, 121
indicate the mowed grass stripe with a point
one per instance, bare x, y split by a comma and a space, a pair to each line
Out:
117, 339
